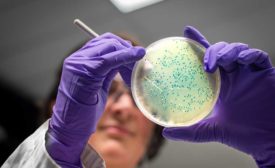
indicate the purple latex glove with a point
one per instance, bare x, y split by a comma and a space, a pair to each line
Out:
82, 94
244, 115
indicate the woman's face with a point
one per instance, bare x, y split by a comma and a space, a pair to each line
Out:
123, 133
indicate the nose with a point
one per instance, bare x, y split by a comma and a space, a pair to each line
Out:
122, 108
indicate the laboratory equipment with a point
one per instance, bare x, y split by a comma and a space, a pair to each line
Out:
170, 86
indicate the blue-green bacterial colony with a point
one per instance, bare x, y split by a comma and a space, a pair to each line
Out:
170, 86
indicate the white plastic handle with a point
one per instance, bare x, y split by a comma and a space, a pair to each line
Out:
85, 28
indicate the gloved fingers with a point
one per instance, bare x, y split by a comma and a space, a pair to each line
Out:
122, 57
99, 60
109, 35
256, 57
126, 73
125, 70
109, 45
108, 80
98, 48
227, 57
203, 131
210, 57
194, 34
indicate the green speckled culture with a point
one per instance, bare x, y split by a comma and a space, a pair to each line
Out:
170, 86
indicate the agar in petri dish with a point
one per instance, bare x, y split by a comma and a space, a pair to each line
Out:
170, 86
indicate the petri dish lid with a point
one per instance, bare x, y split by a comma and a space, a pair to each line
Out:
170, 86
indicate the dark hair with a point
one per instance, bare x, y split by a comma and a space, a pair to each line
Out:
157, 139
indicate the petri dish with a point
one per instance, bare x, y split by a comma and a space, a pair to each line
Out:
170, 86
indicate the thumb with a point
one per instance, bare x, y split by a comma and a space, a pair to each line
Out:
194, 34
123, 57
126, 73
204, 131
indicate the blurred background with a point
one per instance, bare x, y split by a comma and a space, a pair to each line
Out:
36, 35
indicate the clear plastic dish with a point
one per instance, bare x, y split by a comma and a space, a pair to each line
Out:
170, 86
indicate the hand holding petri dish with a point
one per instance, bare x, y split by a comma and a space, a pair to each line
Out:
170, 86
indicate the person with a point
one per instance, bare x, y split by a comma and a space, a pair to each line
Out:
122, 113
243, 116
123, 137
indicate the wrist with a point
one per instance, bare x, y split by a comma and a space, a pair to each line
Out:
63, 153
69, 129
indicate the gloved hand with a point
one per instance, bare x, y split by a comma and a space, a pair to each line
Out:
244, 115
82, 94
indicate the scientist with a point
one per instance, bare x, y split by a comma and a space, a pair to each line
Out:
243, 117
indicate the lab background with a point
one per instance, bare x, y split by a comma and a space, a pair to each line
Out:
36, 35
